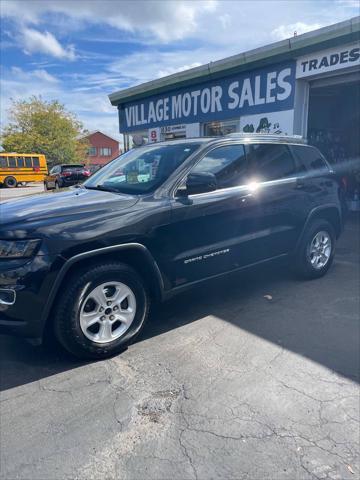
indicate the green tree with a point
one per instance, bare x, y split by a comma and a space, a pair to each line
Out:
38, 126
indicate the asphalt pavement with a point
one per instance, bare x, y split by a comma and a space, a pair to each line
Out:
251, 377
20, 191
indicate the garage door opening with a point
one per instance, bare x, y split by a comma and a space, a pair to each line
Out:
334, 126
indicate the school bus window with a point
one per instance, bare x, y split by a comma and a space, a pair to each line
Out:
36, 161
3, 162
28, 162
12, 162
20, 162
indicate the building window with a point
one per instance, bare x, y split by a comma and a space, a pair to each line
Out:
92, 151
105, 152
219, 129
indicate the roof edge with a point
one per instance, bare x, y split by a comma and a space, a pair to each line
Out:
288, 46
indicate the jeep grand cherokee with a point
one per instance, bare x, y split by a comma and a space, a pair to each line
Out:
86, 262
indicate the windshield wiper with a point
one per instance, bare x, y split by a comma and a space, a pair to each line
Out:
102, 188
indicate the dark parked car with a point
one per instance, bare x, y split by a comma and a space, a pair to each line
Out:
66, 175
88, 261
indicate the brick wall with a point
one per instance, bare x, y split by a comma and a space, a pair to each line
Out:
99, 141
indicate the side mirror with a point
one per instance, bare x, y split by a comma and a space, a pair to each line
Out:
201, 182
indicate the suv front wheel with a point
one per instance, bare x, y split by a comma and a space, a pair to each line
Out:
316, 251
101, 310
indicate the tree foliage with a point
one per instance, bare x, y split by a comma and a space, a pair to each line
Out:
38, 126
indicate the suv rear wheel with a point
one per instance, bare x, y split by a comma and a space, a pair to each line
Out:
101, 311
316, 251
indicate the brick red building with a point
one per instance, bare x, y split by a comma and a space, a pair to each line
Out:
102, 148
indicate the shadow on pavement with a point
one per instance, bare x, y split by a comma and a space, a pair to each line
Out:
318, 319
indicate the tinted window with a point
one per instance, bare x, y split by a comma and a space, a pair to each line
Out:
28, 162
12, 162
308, 158
20, 162
270, 161
3, 162
36, 161
228, 164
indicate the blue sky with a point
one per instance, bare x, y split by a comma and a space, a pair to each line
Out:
79, 51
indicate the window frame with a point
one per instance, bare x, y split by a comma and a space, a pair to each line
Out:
310, 172
180, 183
290, 153
204, 153
20, 160
11, 160
27, 162
101, 149
218, 148
94, 149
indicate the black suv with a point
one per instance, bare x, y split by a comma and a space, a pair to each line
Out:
65, 176
86, 262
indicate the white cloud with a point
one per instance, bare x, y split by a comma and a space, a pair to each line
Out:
288, 31
34, 41
164, 20
39, 74
92, 107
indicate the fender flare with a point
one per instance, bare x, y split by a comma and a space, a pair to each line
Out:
314, 212
94, 253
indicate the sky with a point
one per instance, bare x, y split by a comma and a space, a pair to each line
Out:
79, 51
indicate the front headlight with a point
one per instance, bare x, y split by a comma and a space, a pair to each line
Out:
18, 248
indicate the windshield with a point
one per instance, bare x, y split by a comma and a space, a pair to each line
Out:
141, 170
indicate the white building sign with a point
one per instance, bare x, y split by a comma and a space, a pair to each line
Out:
328, 60
281, 123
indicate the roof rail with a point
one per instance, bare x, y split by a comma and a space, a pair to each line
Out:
274, 137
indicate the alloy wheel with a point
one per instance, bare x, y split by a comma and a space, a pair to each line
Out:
319, 251
107, 312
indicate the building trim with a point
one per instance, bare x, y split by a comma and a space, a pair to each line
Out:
326, 37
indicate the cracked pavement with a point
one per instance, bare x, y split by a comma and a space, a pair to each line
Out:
223, 384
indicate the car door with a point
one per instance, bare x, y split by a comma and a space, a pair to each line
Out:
281, 200
212, 232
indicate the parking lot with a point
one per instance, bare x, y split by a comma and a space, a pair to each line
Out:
251, 377
21, 191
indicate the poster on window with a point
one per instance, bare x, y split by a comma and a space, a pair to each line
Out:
281, 123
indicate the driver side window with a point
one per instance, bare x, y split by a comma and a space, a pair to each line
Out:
227, 163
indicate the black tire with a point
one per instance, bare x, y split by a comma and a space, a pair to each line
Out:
10, 182
303, 265
67, 310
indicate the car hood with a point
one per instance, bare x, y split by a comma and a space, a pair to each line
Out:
60, 212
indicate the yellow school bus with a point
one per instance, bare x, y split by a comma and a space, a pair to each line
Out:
18, 168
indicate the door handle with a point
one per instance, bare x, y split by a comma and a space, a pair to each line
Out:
247, 197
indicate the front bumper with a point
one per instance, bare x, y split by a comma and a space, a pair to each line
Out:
31, 281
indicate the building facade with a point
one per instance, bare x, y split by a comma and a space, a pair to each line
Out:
102, 149
307, 85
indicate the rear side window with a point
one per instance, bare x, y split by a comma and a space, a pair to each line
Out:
36, 161
308, 159
3, 162
270, 161
28, 162
228, 164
